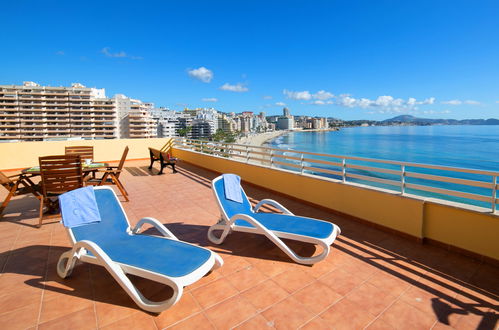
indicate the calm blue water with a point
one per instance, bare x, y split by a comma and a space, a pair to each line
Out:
474, 147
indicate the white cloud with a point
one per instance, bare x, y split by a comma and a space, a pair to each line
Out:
430, 100
107, 51
201, 73
322, 95
383, 103
347, 101
209, 99
459, 102
267, 97
304, 95
321, 102
452, 102
239, 87
280, 104
60, 52
497, 101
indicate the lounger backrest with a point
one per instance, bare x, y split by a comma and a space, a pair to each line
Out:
230, 207
113, 219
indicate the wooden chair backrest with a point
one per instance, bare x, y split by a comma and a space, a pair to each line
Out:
86, 152
122, 161
60, 173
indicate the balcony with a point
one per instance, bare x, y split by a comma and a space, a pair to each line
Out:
372, 277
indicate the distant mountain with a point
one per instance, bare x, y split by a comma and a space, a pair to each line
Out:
408, 119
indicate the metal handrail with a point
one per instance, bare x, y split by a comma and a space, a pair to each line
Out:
341, 167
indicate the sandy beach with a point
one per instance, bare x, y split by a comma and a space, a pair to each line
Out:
258, 139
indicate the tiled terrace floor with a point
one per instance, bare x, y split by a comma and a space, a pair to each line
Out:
370, 279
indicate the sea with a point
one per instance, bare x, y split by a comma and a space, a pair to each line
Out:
463, 146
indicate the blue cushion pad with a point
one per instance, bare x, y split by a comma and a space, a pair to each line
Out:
291, 224
156, 254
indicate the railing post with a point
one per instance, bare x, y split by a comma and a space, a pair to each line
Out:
271, 158
301, 163
201, 146
247, 154
402, 179
494, 193
344, 169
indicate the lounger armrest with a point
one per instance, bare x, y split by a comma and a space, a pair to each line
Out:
273, 203
156, 224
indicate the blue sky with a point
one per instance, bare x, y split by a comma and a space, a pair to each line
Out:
345, 59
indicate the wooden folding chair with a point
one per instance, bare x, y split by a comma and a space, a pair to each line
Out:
85, 152
18, 184
111, 176
59, 175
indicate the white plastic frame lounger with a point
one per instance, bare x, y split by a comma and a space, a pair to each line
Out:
242, 217
113, 244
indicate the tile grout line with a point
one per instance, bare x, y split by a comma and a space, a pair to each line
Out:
188, 317
45, 279
93, 297
390, 305
10, 250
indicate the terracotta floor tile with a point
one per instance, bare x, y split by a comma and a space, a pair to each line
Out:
380, 325
246, 278
319, 269
401, 315
19, 299
317, 297
341, 281
108, 313
21, 318
346, 314
186, 307
53, 309
214, 292
440, 285
389, 283
265, 294
270, 268
230, 313
371, 298
139, 320
317, 323
195, 322
293, 280
83, 319
256, 322
288, 314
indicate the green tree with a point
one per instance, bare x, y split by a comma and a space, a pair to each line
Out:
184, 131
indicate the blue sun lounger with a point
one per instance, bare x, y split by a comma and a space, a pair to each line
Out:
242, 217
121, 250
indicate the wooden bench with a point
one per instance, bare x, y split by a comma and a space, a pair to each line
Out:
164, 159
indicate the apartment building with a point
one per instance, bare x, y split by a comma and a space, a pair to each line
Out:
167, 121
139, 123
33, 113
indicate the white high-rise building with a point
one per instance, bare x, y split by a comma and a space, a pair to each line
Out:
31, 112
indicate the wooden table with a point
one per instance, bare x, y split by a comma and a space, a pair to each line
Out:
86, 169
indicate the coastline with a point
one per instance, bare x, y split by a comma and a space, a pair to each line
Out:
259, 139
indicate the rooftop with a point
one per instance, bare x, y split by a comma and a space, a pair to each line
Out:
370, 279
